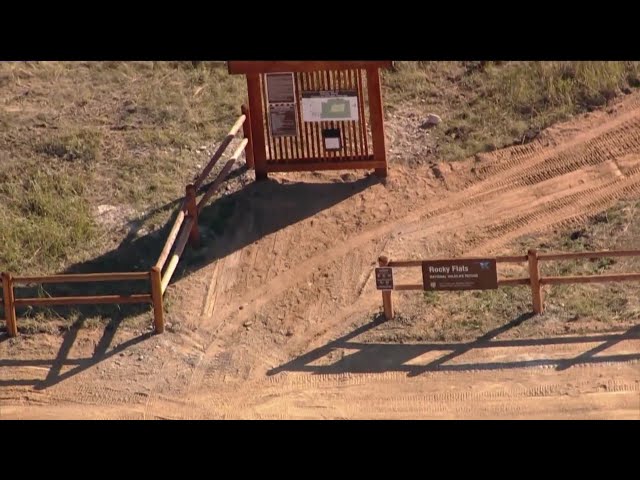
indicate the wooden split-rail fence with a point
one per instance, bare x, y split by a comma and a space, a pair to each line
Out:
535, 281
184, 230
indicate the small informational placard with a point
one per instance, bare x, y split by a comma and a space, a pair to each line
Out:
327, 106
384, 278
463, 274
280, 88
282, 120
332, 140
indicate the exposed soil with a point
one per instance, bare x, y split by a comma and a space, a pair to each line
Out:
270, 321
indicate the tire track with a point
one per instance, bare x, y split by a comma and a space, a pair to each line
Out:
527, 176
520, 167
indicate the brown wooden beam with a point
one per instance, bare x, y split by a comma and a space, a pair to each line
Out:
305, 166
273, 66
83, 278
376, 116
89, 300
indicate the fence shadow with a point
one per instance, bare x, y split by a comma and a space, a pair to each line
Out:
228, 224
380, 357
55, 375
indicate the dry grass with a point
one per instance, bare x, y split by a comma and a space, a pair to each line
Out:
80, 135
455, 316
490, 105
129, 135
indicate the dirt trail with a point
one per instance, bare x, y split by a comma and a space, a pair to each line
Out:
296, 274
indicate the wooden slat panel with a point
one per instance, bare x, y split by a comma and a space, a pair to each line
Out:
350, 125
354, 126
364, 147
328, 84
288, 148
302, 128
344, 126
316, 84
308, 84
321, 164
309, 144
265, 107
278, 148
308, 133
295, 141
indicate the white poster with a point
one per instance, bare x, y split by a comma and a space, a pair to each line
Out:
330, 106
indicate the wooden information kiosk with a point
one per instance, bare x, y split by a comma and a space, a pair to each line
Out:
314, 115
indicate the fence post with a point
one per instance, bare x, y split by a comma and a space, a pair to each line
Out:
246, 131
156, 296
534, 276
387, 303
192, 211
9, 304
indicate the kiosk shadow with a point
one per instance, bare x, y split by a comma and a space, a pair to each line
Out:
228, 224
381, 357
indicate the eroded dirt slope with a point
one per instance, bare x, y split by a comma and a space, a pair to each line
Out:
268, 327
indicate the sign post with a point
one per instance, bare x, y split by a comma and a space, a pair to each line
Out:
384, 282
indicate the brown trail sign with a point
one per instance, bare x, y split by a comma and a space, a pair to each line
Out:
482, 274
384, 278
314, 115
462, 274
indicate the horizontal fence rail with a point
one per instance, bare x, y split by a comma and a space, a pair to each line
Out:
590, 255
535, 280
88, 300
184, 230
84, 278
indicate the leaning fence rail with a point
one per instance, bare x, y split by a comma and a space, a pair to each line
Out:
184, 230
535, 281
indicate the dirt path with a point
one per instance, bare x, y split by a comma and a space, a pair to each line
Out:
297, 275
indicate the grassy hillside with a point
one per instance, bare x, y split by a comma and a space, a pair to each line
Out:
93, 152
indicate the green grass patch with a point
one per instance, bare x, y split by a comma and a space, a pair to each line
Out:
489, 105
47, 222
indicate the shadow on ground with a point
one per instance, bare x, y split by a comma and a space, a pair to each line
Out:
228, 224
381, 357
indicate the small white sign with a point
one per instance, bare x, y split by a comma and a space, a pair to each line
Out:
332, 143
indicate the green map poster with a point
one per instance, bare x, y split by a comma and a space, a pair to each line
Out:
327, 106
